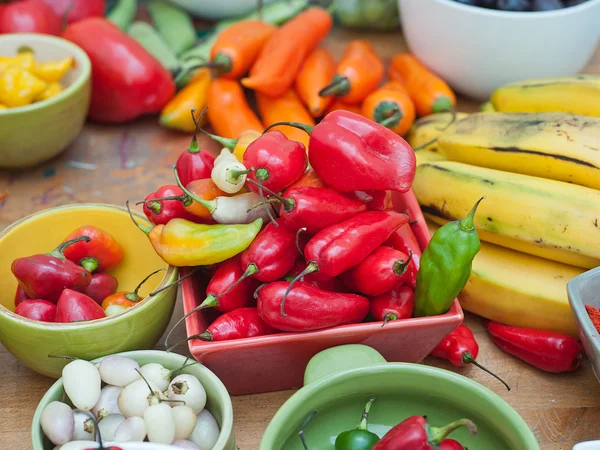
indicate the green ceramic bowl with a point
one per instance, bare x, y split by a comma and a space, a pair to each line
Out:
32, 134
141, 327
218, 400
339, 381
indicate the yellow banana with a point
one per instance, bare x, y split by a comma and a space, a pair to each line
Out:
521, 290
430, 127
577, 94
425, 156
558, 146
546, 218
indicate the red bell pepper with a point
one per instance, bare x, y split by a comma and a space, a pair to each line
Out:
101, 253
41, 310
77, 307
396, 304
127, 81
546, 350
29, 16
77, 9
46, 276
101, 286
415, 433
237, 324
352, 153
160, 212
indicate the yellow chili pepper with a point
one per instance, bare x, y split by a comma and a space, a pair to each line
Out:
183, 243
52, 71
176, 114
3, 106
22, 60
53, 89
243, 141
19, 87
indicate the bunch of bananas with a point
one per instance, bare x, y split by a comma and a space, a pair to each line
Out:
536, 159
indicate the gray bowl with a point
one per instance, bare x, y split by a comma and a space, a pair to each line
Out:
585, 290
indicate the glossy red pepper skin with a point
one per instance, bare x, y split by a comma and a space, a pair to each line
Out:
396, 304
316, 208
225, 276
277, 161
160, 212
404, 239
102, 253
309, 308
41, 310
546, 350
127, 82
45, 276
101, 286
20, 295
451, 444
340, 247
381, 271
77, 307
78, 9
271, 255
29, 16
327, 284
375, 200
237, 324
459, 347
352, 153
194, 164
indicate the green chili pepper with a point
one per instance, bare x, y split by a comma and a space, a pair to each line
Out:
446, 265
123, 13
174, 25
149, 38
360, 438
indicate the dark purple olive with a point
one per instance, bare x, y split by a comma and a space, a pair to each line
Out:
491, 4
467, 2
574, 2
547, 5
514, 5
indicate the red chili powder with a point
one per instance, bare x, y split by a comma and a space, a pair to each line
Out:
594, 314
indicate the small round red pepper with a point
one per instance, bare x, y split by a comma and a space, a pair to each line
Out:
20, 295
74, 306
194, 163
396, 304
101, 286
160, 212
41, 310
101, 253
451, 444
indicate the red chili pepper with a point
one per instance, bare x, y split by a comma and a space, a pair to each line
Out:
415, 433
77, 9
277, 161
404, 239
396, 304
308, 307
74, 306
237, 324
546, 350
127, 81
41, 310
20, 295
327, 284
352, 153
160, 212
451, 444
44, 276
375, 200
29, 16
195, 163
101, 286
101, 253
381, 271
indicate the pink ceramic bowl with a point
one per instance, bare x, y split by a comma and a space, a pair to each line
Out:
277, 362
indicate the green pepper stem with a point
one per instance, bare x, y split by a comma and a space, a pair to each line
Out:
441, 104
388, 317
300, 230
401, 265
206, 336
90, 264
467, 358
234, 175
174, 283
387, 114
310, 268
264, 201
250, 270
184, 199
391, 121
434, 140
257, 291
303, 426
262, 174
145, 229
59, 252
467, 224
221, 64
211, 205
437, 435
225, 142
365, 415
308, 129
338, 87
134, 296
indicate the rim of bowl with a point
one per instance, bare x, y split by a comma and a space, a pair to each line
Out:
518, 14
578, 306
280, 417
157, 355
169, 277
78, 53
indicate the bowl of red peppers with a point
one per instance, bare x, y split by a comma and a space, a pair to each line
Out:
77, 281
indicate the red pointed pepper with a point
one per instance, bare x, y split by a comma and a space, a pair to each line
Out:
41, 310
375, 200
238, 324
546, 350
101, 253
45, 276
101, 286
309, 308
327, 284
160, 212
396, 304
352, 153
29, 16
381, 271
451, 444
404, 239
20, 295
415, 433
195, 163
77, 307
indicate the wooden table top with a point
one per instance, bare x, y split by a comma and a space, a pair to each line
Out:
111, 164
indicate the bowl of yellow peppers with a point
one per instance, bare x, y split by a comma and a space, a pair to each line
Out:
45, 91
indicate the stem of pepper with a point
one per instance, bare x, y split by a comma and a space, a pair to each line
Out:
339, 87
300, 230
310, 268
365, 415
288, 203
467, 358
202, 336
194, 147
437, 435
388, 317
301, 432
134, 296
225, 142
387, 114
306, 128
184, 199
467, 224
211, 205
179, 280
234, 175
59, 252
400, 265
146, 229
264, 201
90, 264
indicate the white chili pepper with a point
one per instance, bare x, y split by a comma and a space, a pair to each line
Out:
160, 424
187, 388
137, 396
108, 426
206, 432
131, 430
85, 427
157, 374
77, 445
119, 371
107, 403
58, 422
228, 173
82, 383
186, 444
185, 421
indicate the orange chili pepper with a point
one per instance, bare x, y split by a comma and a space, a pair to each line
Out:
358, 74
205, 189
338, 105
238, 46
176, 114
309, 179
316, 72
287, 108
126, 298
390, 106
229, 113
429, 92
282, 56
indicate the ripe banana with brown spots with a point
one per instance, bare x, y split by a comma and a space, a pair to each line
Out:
430, 127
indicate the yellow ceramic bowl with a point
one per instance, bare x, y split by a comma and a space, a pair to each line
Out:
32, 134
140, 328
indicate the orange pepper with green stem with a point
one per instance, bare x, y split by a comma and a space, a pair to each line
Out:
316, 72
390, 106
429, 92
358, 74
126, 298
287, 108
229, 112
176, 113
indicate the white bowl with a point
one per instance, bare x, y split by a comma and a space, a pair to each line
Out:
477, 50
218, 9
